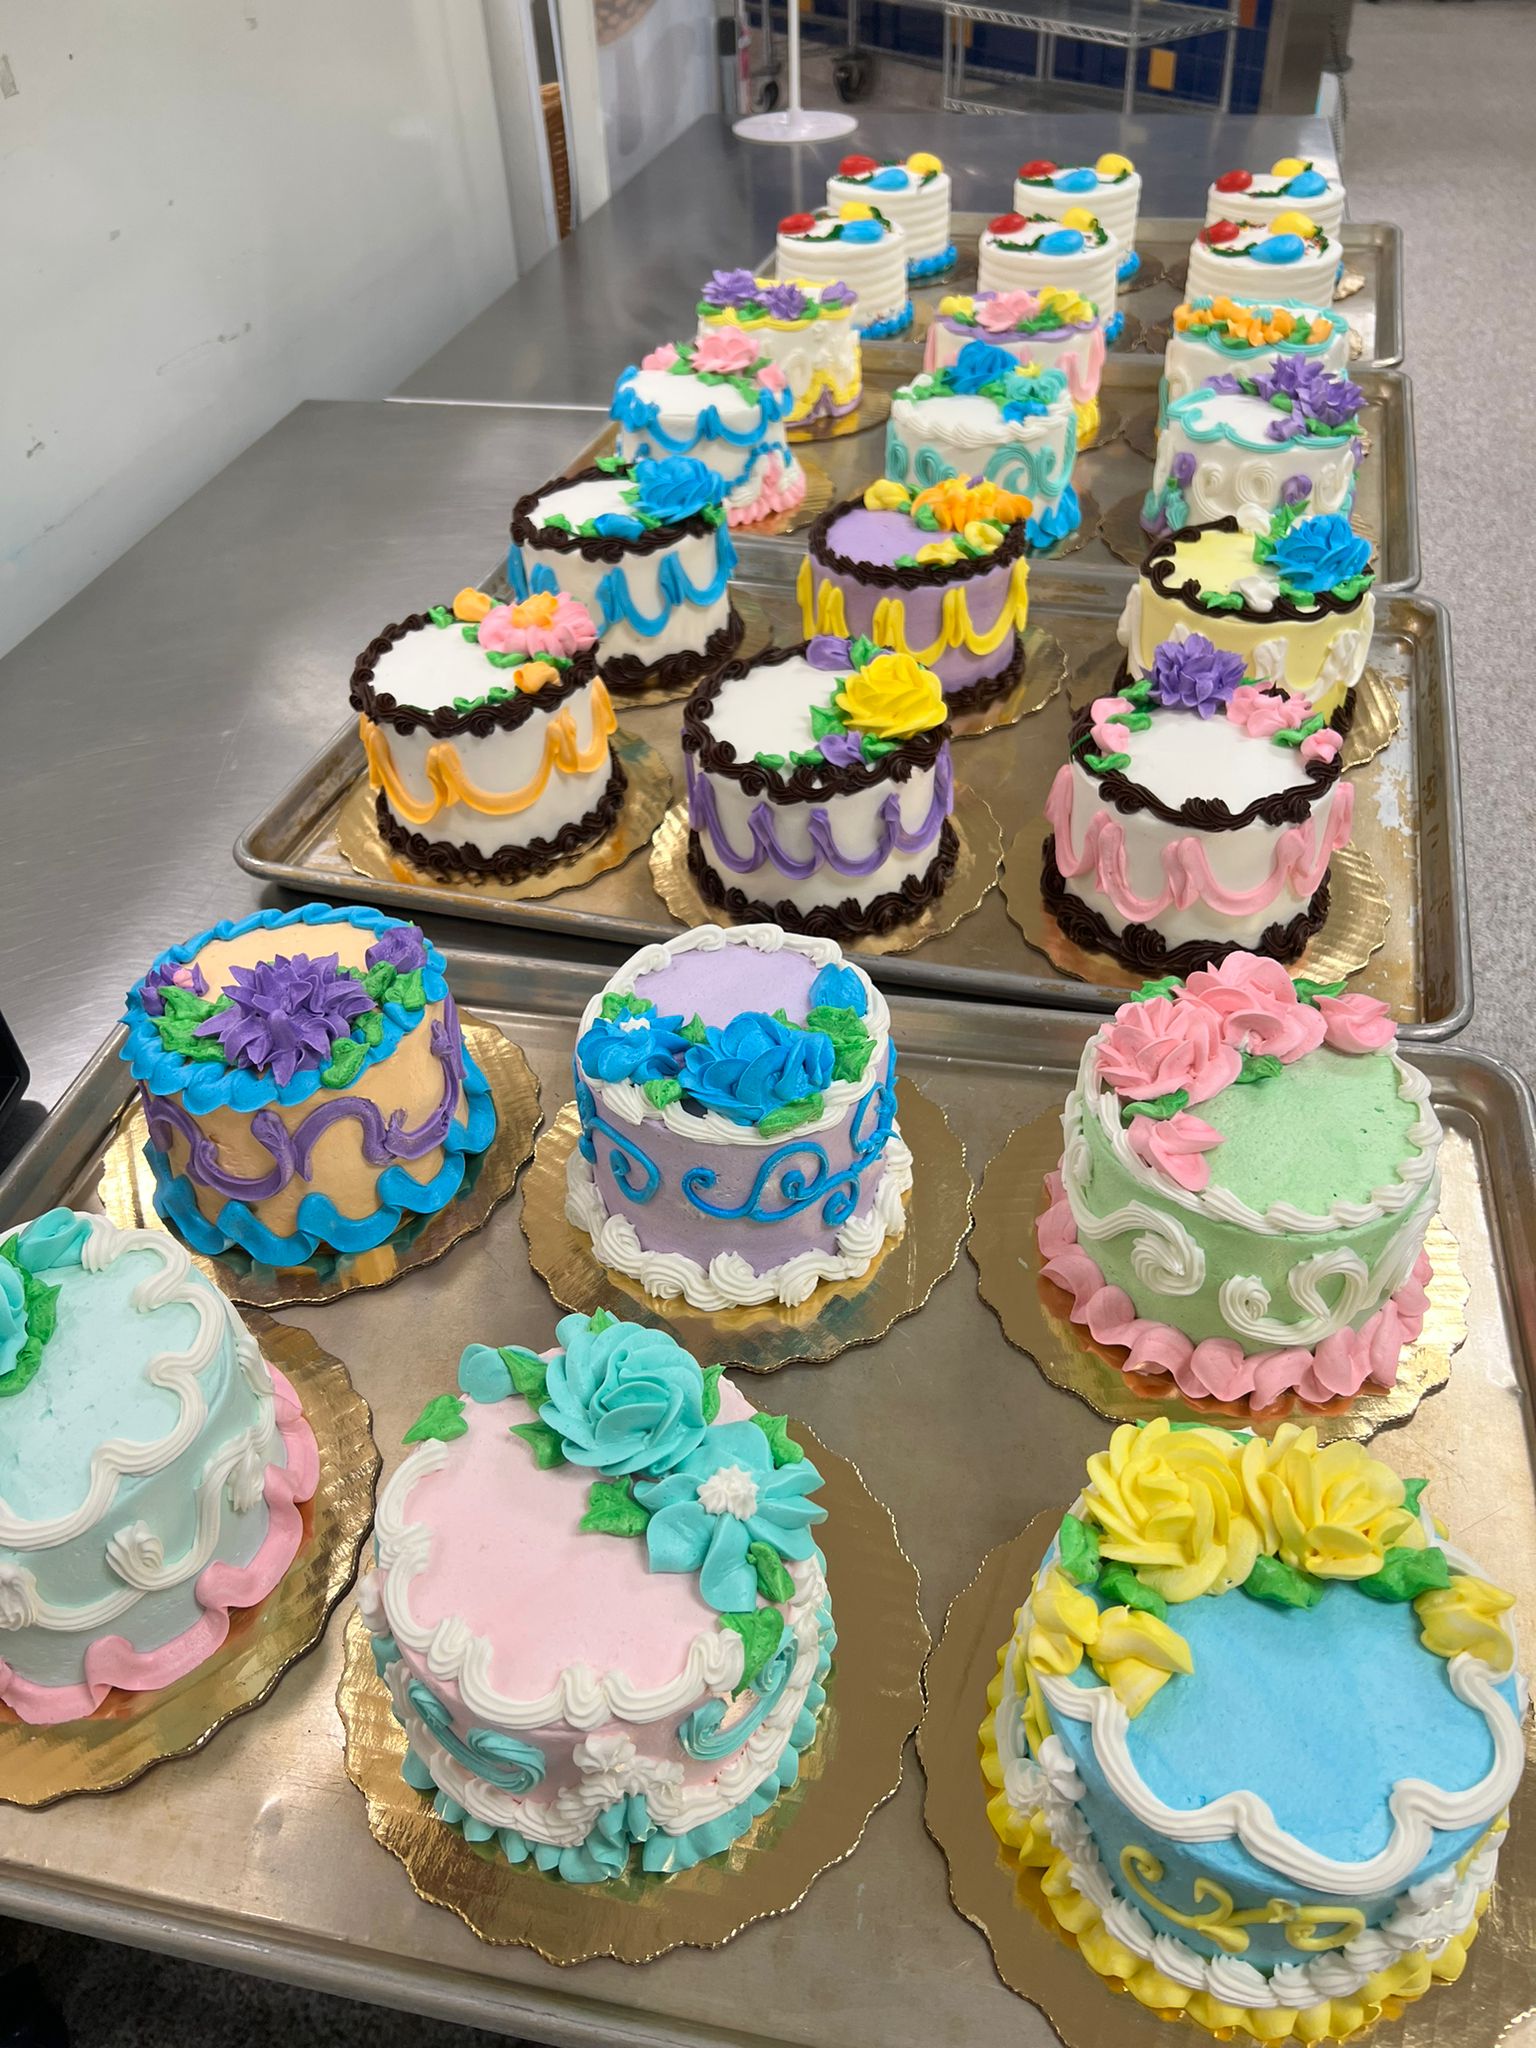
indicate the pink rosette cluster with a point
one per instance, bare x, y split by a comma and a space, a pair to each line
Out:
1152, 1048
1322, 746
660, 358
1262, 713
724, 352
772, 378
1257, 1007
1005, 311
1356, 1023
549, 622
1175, 1147
1108, 736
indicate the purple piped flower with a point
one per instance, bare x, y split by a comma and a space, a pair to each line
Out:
1313, 392
784, 301
286, 1014
1295, 489
399, 946
1193, 675
730, 288
1226, 384
841, 749
1183, 471
170, 974
826, 650
839, 294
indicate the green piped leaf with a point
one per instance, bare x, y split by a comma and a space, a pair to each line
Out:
1405, 1574
693, 1031
1412, 1491
1138, 694
440, 1421
776, 1428
1106, 764
1122, 1588
1281, 1584
774, 761
1309, 991
498, 659
773, 1581
529, 1373
664, 1089
926, 518
600, 1320
1293, 735
611, 465
178, 1022
440, 615
542, 1441
560, 523
1163, 986
348, 1058
1160, 1108
851, 1043
40, 1305
1077, 1544
1135, 721
1353, 586
761, 1632
1221, 600
862, 650
711, 1403
369, 1029
1258, 1066
612, 1509
378, 980
790, 1115
825, 719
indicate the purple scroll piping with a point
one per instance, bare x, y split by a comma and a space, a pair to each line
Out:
893, 836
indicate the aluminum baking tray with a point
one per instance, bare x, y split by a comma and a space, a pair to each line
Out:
256, 1854
1410, 794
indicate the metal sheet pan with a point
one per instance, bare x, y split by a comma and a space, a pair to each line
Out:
256, 1854
1425, 967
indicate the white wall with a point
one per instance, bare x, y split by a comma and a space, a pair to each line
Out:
210, 210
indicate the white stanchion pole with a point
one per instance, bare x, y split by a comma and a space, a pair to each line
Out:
794, 123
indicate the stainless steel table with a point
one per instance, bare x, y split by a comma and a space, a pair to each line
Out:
631, 274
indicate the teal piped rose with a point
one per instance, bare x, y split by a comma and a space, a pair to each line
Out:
622, 1398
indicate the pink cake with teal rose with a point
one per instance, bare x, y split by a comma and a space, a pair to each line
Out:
599, 1605
1188, 1225
941, 574
722, 398
737, 1097
152, 1466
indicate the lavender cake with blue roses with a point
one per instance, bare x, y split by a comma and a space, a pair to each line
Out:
737, 1097
306, 1084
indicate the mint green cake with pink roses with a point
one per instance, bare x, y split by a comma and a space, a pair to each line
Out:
1248, 1172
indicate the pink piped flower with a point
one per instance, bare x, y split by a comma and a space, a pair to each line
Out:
549, 622
1151, 1048
725, 351
660, 358
1256, 1007
1356, 1023
1263, 713
1175, 1147
1109, 737
1322, 746
772, 377
1008, 310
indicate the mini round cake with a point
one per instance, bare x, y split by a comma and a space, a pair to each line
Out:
739, 1143
1214, 336
1247, 1175
806, 330
151, 1466
305, 1081
486, 728
1252, 260
820, 788
940, 574
1109, 189
1292, 185
646, 548
1052, 329
856, 245
722, 400
1196, 813
914, 194
1291, 597
1258, 1726
1288, 436
1031, 252
599, 1607
984, 416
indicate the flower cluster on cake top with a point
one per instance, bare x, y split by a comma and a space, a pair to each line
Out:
1284, 240
1190, 673
1173, 1513
1231, 324
729, 1502
747, 299
879, 699
665, 491
759, 1070
972, 514
982, 370
1308, 398
1111, 169
28, 1303
921, 168
854, 222
534, 639
1077, 230
721, 355
1049, 311
1294, 178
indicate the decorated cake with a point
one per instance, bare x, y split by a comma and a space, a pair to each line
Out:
940, 574
1196, 813
1029, 252
486, 728
721, 400
857, 245
1247, 1176
1213, 336
986, 417
599, 1605
1258, 1727
739, 1143
820, 788
305, 1081
1290, 596
1109, 189
806, 330
151, 1466
1292, 185
1253, 260
1289, 435
645, 547
1052, 329
914, 194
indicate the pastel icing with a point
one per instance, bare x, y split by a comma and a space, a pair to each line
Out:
1239, 254
1245, 445
1265, 195
720, 399
808, 331
1112, 194
1052, 329
867, 252
1031, 251
1216, 334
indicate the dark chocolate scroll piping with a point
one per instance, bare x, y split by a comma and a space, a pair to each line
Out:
846, 920
450, 863
628, 674
596, 547
987, 689
444, 721
1158, 570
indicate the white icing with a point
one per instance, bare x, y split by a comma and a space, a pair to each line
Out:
969, 436
1264, 201
1113, 203
826, 347
921, 211
682, 400
1239, 276
877, 271
1190, 359
1091, 272
1247, 473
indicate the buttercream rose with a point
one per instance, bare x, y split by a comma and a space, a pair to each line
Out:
549, 622
1356, 1023
638, 1047
1000, 312
754, 1065
784, 301
1152, 1048
1333, 1511
1464, 1617
1319, 552
1263, 713
979, 364
399, 946
724, 352
13, 1317
893, 696
623, 1398
1175, 1147
676, 487
1194, 675
1257, 1007
662, 357
1170, 1502
730, 288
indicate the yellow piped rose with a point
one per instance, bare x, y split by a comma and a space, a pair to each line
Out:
532, 676
471, 606
1136, 1655
885, 495
1464, 1616
1170, 1502
893, 697
1333, 1511
958, 305
1064, 1621
946, 550
1068, 306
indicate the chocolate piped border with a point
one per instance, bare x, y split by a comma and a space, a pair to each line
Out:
801, 784
596, 547
444, 721
1144, 950
627, 675
448, 862
1209, 813
930, 576
1157, 568
845, 920
987, 689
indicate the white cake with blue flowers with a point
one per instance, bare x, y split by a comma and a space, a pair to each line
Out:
721, 399
737, 1097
